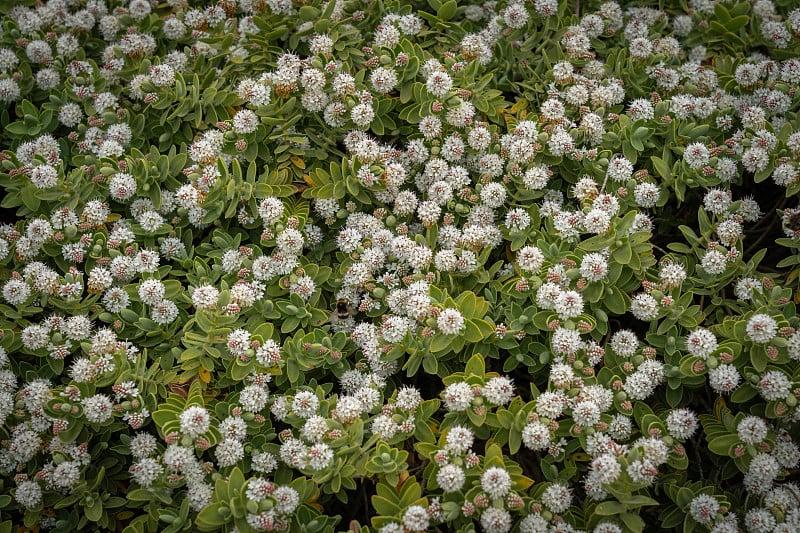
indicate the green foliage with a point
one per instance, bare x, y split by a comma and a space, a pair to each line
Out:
399, 266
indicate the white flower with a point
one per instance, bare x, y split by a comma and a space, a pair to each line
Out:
752, 430
264, 462
458, 396
143, 445
305, 404
152, 291
530, 259
35, 337
286, 500
620, 169
624, 343
557, 497
320, 456
774, 385
761, 328
268, 354
270, 210
245, 121
586, 413
205, 297
495, 519
620, 427
594, 266
195, 421
450, 321
416, 518
717, 201
724, 379
459, 439
536, 436
383, 79
496, 482
408, 399
451, 478
122, 187
566, 341
229, 452
98, 408
696, 155
758, 520
28, 494
568, 304
681, 423
672, 274
493, 194
701, 343
16, 291
646, 194
704, 508
644, 306
745, 287
597, 221
498, 390
164, 312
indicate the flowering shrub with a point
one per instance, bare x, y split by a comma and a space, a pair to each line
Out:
364, 265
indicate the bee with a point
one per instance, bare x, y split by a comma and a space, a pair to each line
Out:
342, 313
792, 219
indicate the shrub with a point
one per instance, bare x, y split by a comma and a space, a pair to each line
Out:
399, 266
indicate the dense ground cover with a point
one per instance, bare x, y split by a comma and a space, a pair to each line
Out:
399, 266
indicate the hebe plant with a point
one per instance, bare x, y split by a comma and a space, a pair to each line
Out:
366, 265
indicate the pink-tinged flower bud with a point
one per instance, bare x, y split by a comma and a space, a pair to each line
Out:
514, 501
481, 500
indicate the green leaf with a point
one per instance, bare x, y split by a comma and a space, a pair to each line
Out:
684, 497
634, 522
723, 444
447, 10
309, 13
475, 366
471, 332
609, 508
95, 511
440, 342
623, 254
661, 167
211, 519
615, 301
